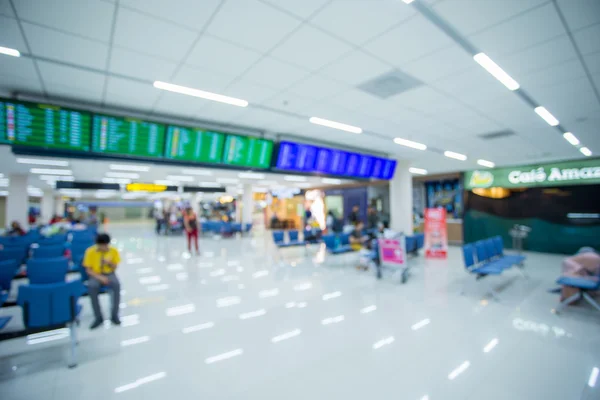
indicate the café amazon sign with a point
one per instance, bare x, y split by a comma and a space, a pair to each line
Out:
580, 172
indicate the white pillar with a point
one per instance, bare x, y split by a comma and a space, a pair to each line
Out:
17, 202
247, 204
47, 206
59, 206
401, 206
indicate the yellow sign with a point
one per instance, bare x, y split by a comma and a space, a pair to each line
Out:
146, 187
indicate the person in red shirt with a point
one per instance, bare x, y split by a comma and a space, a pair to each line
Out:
191, 225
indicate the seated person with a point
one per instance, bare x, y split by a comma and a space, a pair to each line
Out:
357, 238
584, 264
15, 230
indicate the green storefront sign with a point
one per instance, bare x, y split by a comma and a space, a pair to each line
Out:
580, 172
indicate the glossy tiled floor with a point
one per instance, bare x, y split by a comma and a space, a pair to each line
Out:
234, 324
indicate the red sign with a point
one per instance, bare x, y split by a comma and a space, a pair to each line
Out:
436, 234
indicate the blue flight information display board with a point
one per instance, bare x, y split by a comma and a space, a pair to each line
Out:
307, 158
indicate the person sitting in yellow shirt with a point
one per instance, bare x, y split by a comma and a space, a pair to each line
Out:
100, 262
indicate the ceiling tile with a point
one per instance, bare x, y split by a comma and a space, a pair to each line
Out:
6, 9
254, 94
555, 75
274, 73
539, 57
178, 104
71, 82
10, 34
290, 103
470, 16
257, 118
87, 18
310, 48
317, 87
593, 63
360, 20
220, 56
16, 67
575, 99
355, 68
66, 48
140, 66
587, 39
124, 92
531, 28
302, 9
440, 64
221, 113
192, 14
252, 24
423, 98
580, 13
352, 99
203, 79
152, 36
394, 47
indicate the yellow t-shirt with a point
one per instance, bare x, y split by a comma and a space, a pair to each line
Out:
93, 259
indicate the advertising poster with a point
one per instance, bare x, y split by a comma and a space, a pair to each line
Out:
436, 234
392, 252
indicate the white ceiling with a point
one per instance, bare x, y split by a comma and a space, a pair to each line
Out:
294, 59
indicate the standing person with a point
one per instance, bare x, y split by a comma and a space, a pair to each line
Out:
330, 221
372, 218
354, 216
92, 220
100, 262
159, 217
190, 223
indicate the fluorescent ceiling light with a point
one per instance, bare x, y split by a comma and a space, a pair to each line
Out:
199, 172
335, 125
10, 52
456, 156
545, 114
593, 377
165, 182
585, 151
569, 137
200, 93
55, 178
49, 171
459, 370
116, 180
132, 168
292, 178
408, 1
180, 178
38, 161
418, 171
227, 180
490, 346
495, 70
210, 184
127, 175
410, 143
251, 175
485, 163
331, 181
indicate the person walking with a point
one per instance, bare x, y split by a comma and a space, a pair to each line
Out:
190, 223
100, 262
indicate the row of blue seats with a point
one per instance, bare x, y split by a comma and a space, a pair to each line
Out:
486, 257
50, 306
414, 243
225, 227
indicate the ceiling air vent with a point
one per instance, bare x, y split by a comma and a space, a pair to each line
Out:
497, 135
389, 84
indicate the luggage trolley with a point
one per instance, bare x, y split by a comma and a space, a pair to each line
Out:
518, 234
391, 254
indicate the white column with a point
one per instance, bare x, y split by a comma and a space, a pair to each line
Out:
247, 204
47, 206
17, 202
59, 206
401, 206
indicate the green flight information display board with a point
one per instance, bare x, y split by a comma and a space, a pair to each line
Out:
128, 136
248, 152
190, 144
44, 125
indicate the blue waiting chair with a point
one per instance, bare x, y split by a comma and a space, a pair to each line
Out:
236, 227
51, 306
411, 244
48, 251
485, 258
479, 270
8, 270
420, 240
4, 320
583, 286
498, 245
278, 237
247, 227
47, 270
294, 239
85, 236
335, 245
18, 253
60, 238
